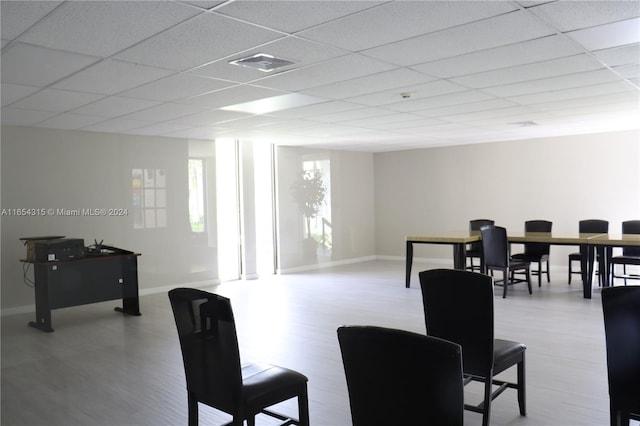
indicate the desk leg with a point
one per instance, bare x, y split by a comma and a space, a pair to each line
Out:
43, 310
409, 260
130, 299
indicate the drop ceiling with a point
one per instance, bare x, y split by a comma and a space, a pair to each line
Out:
364, 75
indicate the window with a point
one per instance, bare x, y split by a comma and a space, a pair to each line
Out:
196, 195
149, 198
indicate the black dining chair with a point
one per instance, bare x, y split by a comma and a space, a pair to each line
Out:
630, 255
495, 246
590, 226
537, 252
214, 375
396, 377
621, 313
474, 250
458, 307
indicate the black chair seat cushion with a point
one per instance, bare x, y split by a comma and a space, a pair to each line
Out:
506, 353
518, 264
264, 383
626, 260
529, 257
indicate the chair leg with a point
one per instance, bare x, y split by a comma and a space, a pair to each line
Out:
570, 272
529, 279
486, 408
539, 274
548, 272
303, 407
522, 395
624, 272
193, 410
505, 282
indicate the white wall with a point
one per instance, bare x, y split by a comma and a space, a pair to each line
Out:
74, 170
352, 206
563, 179
56, 169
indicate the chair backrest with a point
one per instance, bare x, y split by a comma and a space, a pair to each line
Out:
495, 246
537, 249
209, 343
458, 307
399, 377
631, 227
621, 312
475, 225
593, 226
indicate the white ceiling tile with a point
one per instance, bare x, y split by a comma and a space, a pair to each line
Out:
114, 106
485, 34
292, 16
206, 133
158, 129
628, 71
573, 93
231, 96
316, 110
619, 55
539, 70
362, 30
434, 88
275, 103
18, 16
382, 121
573, 15
69, 121
13, 92
332, 71
501, 57
554, 83
209, 117
204, 4
493, 114
177, 87
27, 65
203, 39
479, 43
611, 35
56, 100
355, 114
116, 125
103, 28
419, 105
467, 108
300, 52
374, 82
110, 77
163, 112
23, 117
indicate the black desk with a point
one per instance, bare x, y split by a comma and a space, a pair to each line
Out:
90, 279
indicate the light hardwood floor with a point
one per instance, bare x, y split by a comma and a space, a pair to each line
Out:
101, 368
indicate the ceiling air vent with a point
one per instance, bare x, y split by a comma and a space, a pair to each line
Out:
262, 62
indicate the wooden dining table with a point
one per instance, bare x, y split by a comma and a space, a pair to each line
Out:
589, 245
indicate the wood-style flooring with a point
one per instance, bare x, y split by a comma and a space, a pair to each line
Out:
100, 368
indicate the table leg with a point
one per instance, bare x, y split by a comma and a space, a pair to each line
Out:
605, 265
459, 256
409, 261
587, 265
